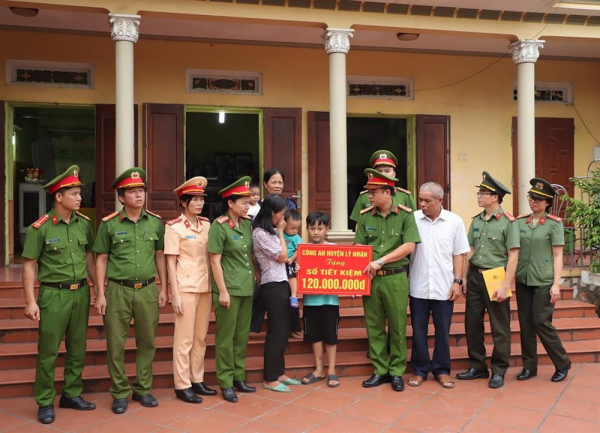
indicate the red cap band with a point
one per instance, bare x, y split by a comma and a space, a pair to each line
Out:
384, 161
191, 190
129, 182
238, 190
68, 181
378, 182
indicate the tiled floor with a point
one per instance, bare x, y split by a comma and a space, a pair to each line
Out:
533, 406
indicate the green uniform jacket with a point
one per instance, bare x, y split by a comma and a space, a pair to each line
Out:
400, 197
130, 246
387, 233
235, 246
492, 239
536, 260
59, 248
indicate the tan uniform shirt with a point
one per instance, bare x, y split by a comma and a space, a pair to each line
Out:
190, 245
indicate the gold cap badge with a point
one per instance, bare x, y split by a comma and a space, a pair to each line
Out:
383, 156
135, 175
539, 185
247, 184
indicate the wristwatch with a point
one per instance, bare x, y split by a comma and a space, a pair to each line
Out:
458, 280
379, 262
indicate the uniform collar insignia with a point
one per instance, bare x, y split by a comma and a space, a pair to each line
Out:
187, 223
528, 219
230, 223
54, 220
498, 216
542, 220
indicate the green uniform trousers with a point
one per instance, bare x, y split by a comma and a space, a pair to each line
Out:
389, 299
231, 338
63, 313
122, 304
478, 300
535, 317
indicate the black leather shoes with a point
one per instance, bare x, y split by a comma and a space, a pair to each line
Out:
188, 396
119, 405
145, 400
46, 414
201, 389
397, 383
376, 380
561, 374
496, 381
473, 373
242, 386
229, 395
526, 374
76, 403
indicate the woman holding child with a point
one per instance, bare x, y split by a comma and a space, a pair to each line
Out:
271, 254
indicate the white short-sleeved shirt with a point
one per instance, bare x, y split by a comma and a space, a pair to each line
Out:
190, 245
431, 265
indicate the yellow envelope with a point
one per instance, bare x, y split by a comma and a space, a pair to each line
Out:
493, 280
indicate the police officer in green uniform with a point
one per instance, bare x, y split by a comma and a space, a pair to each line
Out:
130, 247
384, 162
392, 231
538, 281
230, 248
494, 240
60, 243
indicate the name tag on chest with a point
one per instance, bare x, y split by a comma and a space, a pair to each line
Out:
52, 241
190, 237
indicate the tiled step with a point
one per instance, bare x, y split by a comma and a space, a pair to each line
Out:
23, 355
96, 378
23, 330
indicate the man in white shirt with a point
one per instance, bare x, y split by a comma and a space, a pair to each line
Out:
436, 269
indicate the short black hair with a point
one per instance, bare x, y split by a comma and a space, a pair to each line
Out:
272, 204
185, 199
500, 198
292, 214
60, 191
272, 172
254, 184
316, 218
224, 206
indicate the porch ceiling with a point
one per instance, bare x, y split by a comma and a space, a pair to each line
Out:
310, 34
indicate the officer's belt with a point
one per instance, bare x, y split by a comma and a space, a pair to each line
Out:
480, 270
383, 273
66, 286
134, 284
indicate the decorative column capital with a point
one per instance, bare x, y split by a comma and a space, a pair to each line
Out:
338, 40
124, 27
526, 50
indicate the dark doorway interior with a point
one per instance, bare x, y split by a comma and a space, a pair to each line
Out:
221, 152
47, 141
365, 136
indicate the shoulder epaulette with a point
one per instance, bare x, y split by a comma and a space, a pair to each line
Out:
367, 209
222, 219
364, 192
475, 216
40, 222
82, 215
153, 214
246, 217
109, 217
405, 191
201, 218
405, 208
554, 217
174, 221
524, 215
509, 217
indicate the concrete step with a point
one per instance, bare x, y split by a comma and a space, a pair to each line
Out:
15, 383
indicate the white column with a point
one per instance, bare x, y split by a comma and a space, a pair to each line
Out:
337, 45
525, 53
125, 34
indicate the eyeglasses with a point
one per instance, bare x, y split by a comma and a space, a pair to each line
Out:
535, 200
480, 193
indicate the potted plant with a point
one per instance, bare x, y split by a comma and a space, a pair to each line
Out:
586, 215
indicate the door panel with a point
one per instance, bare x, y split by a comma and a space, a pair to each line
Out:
164, 157
283, 145
433, 150
554, 153
319, 172
105, 158
3, 242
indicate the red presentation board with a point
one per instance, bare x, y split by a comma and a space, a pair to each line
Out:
334, 269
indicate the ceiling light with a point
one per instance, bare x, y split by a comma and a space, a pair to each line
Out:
24, 12
221, 117
408, 37
580, 4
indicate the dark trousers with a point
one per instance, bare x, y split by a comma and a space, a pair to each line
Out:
478, 301
441, 311
258, 314
276, 299
535, 317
